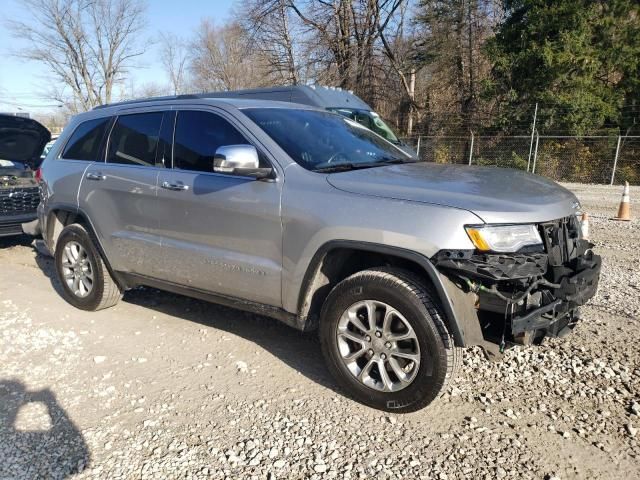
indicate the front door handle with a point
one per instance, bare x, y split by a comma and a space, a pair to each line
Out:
175, 186
96, 176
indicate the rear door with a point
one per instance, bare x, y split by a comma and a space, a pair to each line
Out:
221, 233
64, 173
119, 193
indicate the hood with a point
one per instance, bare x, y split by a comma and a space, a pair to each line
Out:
22, 140
496, 195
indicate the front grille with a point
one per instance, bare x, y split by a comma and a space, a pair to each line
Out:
16, 201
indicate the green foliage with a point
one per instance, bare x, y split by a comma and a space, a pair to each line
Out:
497, 159
580, 59
572, 160
442, 154
628, 173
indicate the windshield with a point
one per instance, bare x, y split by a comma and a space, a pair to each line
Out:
323, 141
369, 119
46, 150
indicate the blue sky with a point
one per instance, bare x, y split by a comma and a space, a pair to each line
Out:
22, 83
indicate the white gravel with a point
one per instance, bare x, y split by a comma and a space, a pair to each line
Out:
162, 386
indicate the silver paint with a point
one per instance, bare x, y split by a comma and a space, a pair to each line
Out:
255, 239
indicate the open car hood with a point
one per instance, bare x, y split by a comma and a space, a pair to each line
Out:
22, 140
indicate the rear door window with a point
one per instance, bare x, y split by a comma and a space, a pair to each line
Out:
86, 141
198, 135
134, 139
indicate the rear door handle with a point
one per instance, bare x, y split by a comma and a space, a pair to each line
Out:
175, 186
96, 176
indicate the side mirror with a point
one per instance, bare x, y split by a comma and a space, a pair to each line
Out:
239, 160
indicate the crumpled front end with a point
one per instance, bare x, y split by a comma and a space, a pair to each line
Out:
536, 292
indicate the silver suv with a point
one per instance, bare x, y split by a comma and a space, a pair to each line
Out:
308, 217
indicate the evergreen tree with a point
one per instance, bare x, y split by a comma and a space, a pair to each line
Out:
580, 59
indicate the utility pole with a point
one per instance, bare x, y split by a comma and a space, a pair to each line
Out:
533, 129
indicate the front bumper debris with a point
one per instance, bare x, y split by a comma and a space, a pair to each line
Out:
532, 294
492, 266
574, 291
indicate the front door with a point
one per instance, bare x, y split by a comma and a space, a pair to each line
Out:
220, 233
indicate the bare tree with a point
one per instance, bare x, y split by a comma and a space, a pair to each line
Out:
355, 44
222, 59
349, 30
130, 89
269, 25
451, 47
88, 45
174, 56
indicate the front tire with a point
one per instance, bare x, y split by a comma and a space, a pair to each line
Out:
84, 277
385, 341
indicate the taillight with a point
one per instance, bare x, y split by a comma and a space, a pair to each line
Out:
38, 175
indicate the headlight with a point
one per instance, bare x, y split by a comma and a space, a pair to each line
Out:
504, 238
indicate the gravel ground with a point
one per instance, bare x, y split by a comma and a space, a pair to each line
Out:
163, 386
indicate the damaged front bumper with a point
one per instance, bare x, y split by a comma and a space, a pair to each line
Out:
525, 296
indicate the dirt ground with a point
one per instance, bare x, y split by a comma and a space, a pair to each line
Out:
162, 386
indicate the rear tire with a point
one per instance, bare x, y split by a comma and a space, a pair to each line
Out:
424, 351
84, 277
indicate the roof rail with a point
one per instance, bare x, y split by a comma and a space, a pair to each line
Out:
149, 99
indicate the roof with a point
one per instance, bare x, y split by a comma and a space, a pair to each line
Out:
317, 96
320, 97
188, 99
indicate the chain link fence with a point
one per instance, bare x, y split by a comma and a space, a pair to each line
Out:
595, 159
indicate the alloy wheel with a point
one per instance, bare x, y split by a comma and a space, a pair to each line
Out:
378, 346
77, 270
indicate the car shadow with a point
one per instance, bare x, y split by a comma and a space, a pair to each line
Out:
299, 350
37, 437
46, 265
15, 241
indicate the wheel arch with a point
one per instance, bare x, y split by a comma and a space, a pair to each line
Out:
338, 259
60, 216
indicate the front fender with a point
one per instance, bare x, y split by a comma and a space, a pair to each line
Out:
454, 306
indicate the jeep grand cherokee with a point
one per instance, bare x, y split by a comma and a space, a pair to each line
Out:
308, 217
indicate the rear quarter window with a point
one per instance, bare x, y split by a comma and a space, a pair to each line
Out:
86, 140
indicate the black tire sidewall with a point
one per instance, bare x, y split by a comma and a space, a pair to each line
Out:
80, 235
433, 356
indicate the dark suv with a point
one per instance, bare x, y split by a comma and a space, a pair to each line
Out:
21, 142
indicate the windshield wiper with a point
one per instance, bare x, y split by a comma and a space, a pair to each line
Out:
339, 167
396, 161
344, 167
